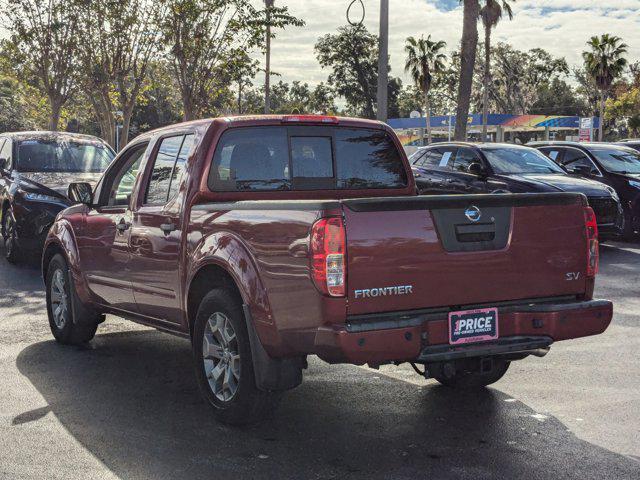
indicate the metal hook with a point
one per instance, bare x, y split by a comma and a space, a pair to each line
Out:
359, 23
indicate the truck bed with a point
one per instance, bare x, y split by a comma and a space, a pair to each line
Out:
409, 253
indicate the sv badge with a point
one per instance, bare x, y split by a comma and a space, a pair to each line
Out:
571, 276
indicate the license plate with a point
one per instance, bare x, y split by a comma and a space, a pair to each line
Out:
470, 326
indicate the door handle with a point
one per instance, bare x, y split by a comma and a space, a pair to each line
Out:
168, 227
123, 226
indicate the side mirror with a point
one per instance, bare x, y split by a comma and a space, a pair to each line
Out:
477, 169
80, 192
3, 166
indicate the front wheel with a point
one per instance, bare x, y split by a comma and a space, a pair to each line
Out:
10, 235
70, 321
469, 373
223, 361
628, 234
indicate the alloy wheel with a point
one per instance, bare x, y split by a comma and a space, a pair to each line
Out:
221, 357
59, 299
9, 231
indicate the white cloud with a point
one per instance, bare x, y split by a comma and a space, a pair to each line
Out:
560, 26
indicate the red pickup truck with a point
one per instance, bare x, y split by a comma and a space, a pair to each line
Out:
267, 239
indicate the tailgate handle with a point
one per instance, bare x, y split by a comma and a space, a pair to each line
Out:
481, 232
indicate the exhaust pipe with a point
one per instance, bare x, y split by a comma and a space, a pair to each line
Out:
539, 352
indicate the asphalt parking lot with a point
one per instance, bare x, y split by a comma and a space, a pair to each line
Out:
127, 406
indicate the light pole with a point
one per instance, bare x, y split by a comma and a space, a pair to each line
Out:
117, 115
267, 79
383, 61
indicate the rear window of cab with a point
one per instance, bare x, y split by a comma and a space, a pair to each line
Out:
305, 158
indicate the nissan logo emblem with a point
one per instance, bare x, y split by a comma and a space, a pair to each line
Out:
473, 213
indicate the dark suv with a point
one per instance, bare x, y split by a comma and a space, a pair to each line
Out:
458, 168
36, 169
616, 165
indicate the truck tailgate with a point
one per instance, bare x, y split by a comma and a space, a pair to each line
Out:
447, 251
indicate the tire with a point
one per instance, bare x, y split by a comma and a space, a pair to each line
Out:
468, 376
12, 251
71, 322
628, 234
224, 369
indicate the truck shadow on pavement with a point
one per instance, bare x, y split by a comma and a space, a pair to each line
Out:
130, 399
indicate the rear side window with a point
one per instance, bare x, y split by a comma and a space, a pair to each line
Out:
305, 158
368, 159
251, 159
168, 169
438, 158
181, 165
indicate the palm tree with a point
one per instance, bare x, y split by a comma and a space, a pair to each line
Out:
604, 63
424, 60
491, 14
467, 63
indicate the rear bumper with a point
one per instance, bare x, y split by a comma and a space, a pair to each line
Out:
423, 336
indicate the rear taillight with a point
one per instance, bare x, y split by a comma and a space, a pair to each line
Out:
327, 251
592, 241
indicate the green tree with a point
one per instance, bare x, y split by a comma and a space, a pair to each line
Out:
200, 35
491, 14
159, 103
119, 38
587, 89
604, 62
352, 56
424, 60
517, 77
13, 111
624, 105
323, 100
558, 98
471, 10
45, 34
275, 17
242, 70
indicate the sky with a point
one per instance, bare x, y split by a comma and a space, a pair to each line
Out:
560, 26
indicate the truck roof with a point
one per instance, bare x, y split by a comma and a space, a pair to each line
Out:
257, 120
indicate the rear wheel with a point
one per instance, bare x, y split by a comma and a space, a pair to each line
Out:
471, 373
70, 321
223, 361
10, 235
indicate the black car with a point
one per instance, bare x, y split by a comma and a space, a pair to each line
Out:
455, 168
616, 165
36, 169
631, 142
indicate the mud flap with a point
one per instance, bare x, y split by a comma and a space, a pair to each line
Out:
79, 310
272, 374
